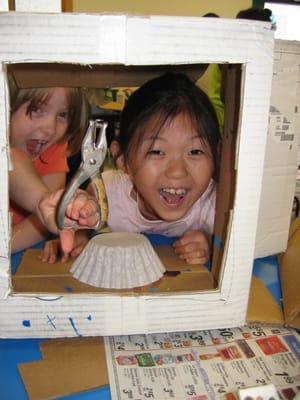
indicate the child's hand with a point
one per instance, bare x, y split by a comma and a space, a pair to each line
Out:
51, 251
81, 213
52, 248
193, 247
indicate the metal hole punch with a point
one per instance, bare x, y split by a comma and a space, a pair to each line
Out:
93, 153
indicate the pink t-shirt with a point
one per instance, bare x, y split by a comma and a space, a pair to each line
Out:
127, 218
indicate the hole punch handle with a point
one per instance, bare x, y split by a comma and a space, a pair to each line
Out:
93, 151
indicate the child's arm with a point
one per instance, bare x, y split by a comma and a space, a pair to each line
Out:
30, 192
193, 247
31, 231
52, 248
25, 186
27, 233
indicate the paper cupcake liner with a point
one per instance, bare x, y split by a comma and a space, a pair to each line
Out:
118, 260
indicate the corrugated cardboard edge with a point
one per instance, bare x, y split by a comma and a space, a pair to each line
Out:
289, 264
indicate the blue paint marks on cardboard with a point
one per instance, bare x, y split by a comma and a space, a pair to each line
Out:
50, 299
50, 321
74, 327
26, 323
89, 317
218, 242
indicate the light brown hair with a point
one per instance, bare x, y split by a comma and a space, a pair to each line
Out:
78, 109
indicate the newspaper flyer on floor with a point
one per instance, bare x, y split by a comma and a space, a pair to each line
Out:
204, 365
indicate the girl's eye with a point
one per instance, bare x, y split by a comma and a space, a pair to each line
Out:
196, 152
36, 110
155, 152
64, 115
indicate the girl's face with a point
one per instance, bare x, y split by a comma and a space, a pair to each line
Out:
170, 172
47, 124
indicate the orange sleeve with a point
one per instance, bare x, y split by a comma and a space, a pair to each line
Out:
53, 160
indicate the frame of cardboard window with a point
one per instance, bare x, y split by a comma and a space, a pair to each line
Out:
143, 46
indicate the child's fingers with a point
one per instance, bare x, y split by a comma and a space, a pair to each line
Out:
195, 260
195, 256
81, 240
49, 252
191, 236
192, 254
183, 248
83, 207
46, 207
198, 253
75, 252
191, 247
66, 240
64, 258
89, 222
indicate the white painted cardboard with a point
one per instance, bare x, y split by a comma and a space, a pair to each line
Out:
280, 168
4, 6
133, 40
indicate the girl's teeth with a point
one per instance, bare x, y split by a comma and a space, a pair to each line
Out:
178, 192
34, 146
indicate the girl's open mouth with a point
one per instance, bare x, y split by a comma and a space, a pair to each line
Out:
35, 147
173, 197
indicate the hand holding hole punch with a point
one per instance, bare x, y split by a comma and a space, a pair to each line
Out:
77, 209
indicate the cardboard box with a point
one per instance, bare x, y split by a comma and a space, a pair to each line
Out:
118, 44
280, 166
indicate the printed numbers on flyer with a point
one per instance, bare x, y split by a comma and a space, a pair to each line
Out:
148, 393
140, 345
260, 381
128, 392
286, 377
169, 391
220, 388
226, 333
258, 331
119, 345
197, 338
240, 385
190, 390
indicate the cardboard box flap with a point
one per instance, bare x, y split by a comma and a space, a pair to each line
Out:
29, 75
290, 276
270, 313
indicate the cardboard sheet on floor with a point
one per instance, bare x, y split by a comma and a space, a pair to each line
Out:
68, 366
289, 263
76, 365
34, 276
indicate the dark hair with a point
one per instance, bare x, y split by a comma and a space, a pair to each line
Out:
165, 97
211, 15
258, 14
